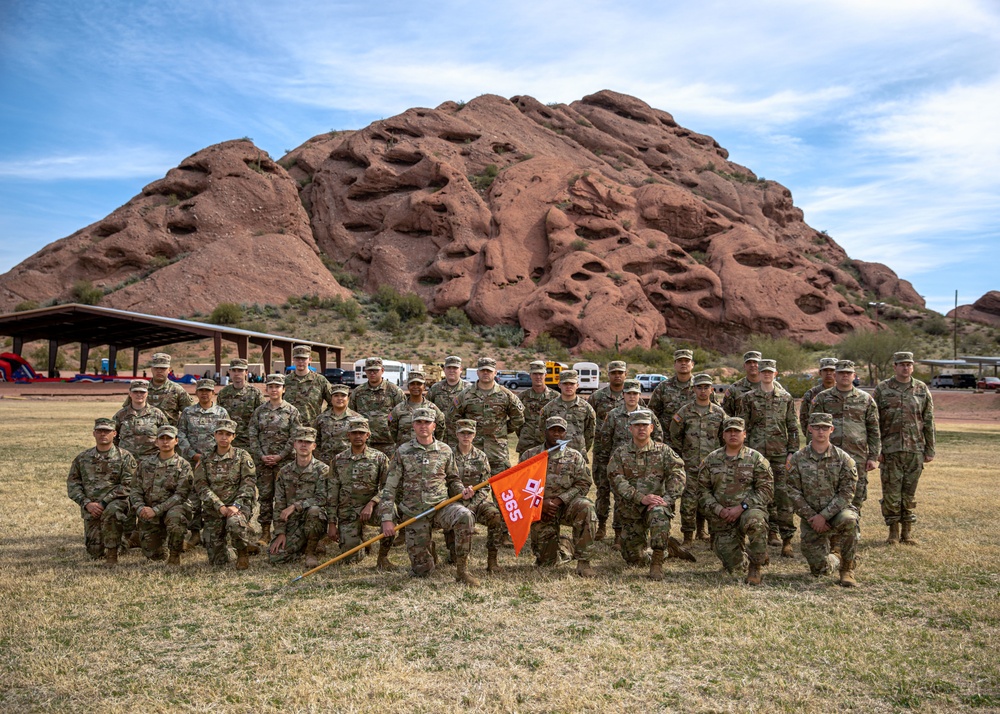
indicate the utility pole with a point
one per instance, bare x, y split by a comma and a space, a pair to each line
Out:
876, 305
954, 338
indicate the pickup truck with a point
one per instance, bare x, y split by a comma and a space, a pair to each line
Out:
649, 381
514, 380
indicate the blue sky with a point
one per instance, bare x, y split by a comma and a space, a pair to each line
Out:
881, 116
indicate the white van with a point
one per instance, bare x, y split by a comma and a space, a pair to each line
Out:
590, 376
471, 375
394, 372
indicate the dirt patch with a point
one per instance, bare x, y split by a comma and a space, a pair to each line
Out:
967, 406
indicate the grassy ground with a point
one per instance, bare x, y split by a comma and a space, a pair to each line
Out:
920, 633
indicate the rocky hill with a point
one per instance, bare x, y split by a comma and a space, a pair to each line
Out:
600, 222
985, 310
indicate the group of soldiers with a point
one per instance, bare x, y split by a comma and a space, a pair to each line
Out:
319, 462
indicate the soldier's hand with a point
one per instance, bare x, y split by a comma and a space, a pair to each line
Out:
95, 509
366, 512
287, 512
388, 529
467, 493
819, 524
332, 533
277, 545
227, 511
550, 507
195, 460
146, 513
928, 459
651, 499
870, 465
881, 459
731, 514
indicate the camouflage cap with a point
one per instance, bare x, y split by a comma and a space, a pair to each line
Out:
302, 351
138, 385
204, 384
617, 366
373, 363
424, 414
305, 433
161, 359
453, 361
416, 378
640, 416
537, 367
104, 424
226, 425
751, 356
768, 365
683, 354
820, 419
468, 425
900, 357
570, 376
238, 363
358, 424
828, 363
703, 378
275, 379
845, 365
632, 385
487, 363
733, 423
339, 389
555, 422
167, 430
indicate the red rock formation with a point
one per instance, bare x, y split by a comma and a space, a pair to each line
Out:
985, 310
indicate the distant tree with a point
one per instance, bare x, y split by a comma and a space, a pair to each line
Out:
875, 350
791, 357
226, 313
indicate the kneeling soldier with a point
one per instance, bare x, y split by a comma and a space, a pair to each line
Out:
159, 495
821, 482
473, 468
300, 500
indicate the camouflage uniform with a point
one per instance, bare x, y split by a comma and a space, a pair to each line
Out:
307, 394
824, 484
196, 429
805, 406
604, 400
531, 435
306, 488
670, 395
331, 434
723, 482
855, 430
170, 398
497, 413
568, 479
773, 430
733, 393
611, 434
375, 404
695, 432
271, 435
401, 420
580, 419
420, 477
443, 396
355, 480
137, 430
165, 486
906, 425
474, 468
103, 477
640, 471
226, 480
240, 404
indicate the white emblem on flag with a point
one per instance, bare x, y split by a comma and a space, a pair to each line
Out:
534, 489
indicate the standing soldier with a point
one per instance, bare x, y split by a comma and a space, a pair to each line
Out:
304, 389
496, 411
196, 436
827, 373
673, 393
401, 416
354, 491
98, 482
649, 477
374, 401
240, 400
906, 425
225, 481
768, 411
821, 480
422, 473
565, 502
607, 398
579, 415
533, 398
749, 380
735, 488
332, 426
160, 497
695, 432
474, 468
443, 393
271, 430
169, 397
300, 492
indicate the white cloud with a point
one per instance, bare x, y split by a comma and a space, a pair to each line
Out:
126, 162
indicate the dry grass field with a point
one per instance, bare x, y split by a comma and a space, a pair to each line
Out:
920, 634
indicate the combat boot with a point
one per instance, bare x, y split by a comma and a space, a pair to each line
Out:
753, 574
786, 548
893, 538
311, 560
688, 538
110, 557
617, 545
461, 573
847, 574
584, 569
602, 529
175, 558
265, 535
676, 551
773, 538
491, 561
133, 539
242, 559
449, 540
193, 540
904, 534
702, 533
383, 558
835, 544
656, 566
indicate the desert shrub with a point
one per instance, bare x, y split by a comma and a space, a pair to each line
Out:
85, 293
26, 305
455, 317
226, 313
935, 325
390, 322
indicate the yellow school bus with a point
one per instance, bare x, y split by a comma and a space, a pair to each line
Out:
552, 370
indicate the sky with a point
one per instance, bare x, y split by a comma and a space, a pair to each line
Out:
881, 116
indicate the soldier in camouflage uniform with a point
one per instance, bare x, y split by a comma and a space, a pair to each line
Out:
749, 380
300, 492
240, 400
225, 481
735, 487
906, 425
821, 481
401, 416
533, 398
169, 397
772, 428
673, 393
354, 491
98, 482
695, 432
271, 429
607, 398
827, 373
565, 502
496, 411
306, 390
332, 426
374, 401
422, 473
611, 434
648, 478
443, 393
136, 423
579, 415
160, 496
474, 468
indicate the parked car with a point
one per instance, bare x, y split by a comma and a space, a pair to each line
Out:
649, 381
336, 375
988, 383
514, 380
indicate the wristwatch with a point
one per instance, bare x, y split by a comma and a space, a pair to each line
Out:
745, 506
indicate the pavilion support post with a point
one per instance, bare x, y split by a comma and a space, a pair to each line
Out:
286, 349
18, 346
217, 344
53, 355
113, 360
266, 356
135, 362
322, 358
84, 356
242, 346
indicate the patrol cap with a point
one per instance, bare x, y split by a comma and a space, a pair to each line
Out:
138, 385
845, 365
104, 424
416, 378
537, 367
204, 384
900, 357
161, 359
453, 361
275, 379
555, 421
733, 423
617, 366
487, 363
301, 351
820, 419
683, 354
569, 376
340, 389
632, 385
828, 363
468, 425
358, 424
305, 433
768, 365
226, 425
167, 430
751, 356
640, 416
703, 378
373, 363
424, 414
238, 363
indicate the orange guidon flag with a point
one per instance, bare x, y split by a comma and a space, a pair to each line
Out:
519, 491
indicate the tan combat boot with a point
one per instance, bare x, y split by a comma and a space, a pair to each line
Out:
835, 544
753, 574
656, 566
786, 548
602, 529
311, 560
111, 557
265, 535
688, 538
193, 540
383, 557
134, 539
702, 533
676, 551
175, 558
491, 561
893, 538
242, 559
584, 569
904, 534
773, 538
617, 545
847, 574
462, 573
